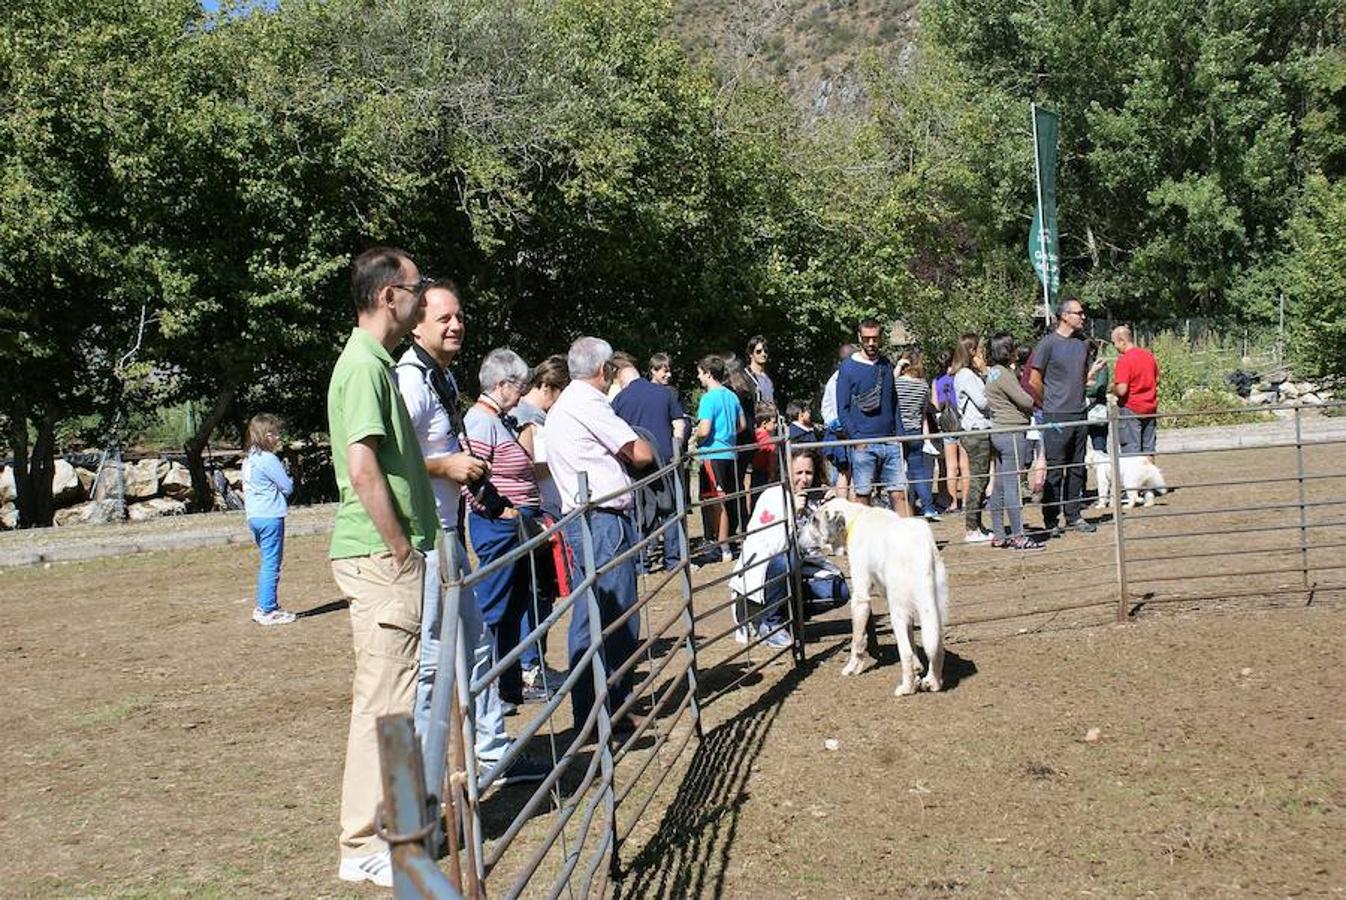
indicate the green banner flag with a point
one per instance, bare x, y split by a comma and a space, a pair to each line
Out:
1043, 247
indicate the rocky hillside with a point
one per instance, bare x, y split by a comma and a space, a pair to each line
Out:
812, 47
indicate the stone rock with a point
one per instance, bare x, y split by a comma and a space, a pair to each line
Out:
235, 477
1310, 399
9, 516
65, 486
176, 482
1289, 391
162, 468
107, 485
95, 512
68, 516
8, 492
154, 508
1259, 398
142, 480
86, 478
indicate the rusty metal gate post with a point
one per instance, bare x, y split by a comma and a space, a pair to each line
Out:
1303, 511
1119, 539
402, 819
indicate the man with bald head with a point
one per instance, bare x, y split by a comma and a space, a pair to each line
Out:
1135, 382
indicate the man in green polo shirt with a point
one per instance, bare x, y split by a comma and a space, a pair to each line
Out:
385, 525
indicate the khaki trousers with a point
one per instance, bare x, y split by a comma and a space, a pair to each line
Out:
385, 607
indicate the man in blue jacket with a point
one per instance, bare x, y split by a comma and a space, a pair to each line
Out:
867, 407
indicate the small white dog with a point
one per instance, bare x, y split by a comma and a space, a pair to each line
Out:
1139, 476
900, 556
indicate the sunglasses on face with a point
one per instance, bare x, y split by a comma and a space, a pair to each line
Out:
419, 286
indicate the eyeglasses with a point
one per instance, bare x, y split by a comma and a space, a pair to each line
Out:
1076, 312
419, 286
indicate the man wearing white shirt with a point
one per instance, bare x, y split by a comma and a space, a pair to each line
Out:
583, 434
428, 389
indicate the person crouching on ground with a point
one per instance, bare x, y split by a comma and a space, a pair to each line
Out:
771, 558
266, 484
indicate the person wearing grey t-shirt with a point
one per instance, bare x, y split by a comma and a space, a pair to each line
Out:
1060, 370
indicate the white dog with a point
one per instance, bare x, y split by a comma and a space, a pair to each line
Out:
900, 556
1139, 476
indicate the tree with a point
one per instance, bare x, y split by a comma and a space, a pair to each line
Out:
72, 278
1182, 126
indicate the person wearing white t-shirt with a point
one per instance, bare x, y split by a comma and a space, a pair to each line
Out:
427, 387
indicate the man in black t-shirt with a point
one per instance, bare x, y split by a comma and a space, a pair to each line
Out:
1060, 369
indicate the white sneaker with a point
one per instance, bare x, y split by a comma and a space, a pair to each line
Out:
277, 616
533, 677
376, 867
977, 537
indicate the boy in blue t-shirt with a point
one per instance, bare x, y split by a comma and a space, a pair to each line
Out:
719, 417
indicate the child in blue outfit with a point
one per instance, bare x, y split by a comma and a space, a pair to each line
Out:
265, 487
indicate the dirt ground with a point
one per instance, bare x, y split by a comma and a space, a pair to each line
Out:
160, 744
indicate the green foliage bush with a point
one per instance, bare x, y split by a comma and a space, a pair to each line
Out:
1213, 407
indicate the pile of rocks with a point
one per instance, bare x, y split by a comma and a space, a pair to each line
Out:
152, 488
1307, 393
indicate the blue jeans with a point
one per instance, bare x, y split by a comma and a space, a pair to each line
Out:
823, 590
918, 473
615, 591
489, 722
269, 536
877, 464
505, 594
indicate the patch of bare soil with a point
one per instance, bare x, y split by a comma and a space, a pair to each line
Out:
160, 744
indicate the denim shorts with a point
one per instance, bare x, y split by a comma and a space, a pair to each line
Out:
877, 464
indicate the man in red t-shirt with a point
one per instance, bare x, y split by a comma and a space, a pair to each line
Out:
1135, 381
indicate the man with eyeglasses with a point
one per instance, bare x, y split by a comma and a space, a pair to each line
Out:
1060, 370
385, 525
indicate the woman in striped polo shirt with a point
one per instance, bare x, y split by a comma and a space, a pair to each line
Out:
493, 526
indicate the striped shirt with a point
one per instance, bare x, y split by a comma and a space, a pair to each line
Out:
489, 438
913, 396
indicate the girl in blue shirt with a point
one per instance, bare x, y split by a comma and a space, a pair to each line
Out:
265, 487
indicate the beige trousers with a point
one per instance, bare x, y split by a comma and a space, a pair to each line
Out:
385, 607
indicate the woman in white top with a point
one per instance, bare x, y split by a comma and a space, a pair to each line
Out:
974, 411
771, 556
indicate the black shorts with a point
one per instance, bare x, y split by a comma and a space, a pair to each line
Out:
717, 478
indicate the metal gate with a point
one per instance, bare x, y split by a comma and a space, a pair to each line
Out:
566, 834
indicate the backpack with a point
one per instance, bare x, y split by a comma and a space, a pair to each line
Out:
947, 417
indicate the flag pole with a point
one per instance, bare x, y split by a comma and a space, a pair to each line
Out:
1044, 274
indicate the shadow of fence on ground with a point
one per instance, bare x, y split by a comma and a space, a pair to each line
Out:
689, 852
